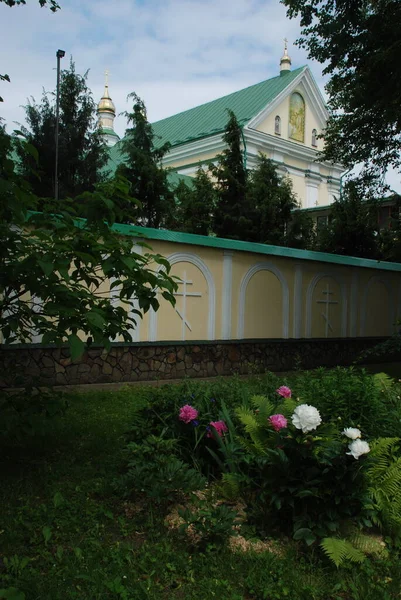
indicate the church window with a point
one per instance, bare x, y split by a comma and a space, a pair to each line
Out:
296, 125
314, 138
277, 125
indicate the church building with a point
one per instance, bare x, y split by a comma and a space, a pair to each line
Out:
281, 117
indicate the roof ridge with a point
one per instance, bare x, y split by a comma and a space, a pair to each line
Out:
187, 110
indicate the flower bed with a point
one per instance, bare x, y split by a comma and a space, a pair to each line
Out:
299, 469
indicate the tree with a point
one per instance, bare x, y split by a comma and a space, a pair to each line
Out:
352, 228
55, 264
271, 201
51, 3
231, 215
390, 237
142, 168
82, 153
301, 231
195, 204
360, 44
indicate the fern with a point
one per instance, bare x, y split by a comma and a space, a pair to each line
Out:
339, 550
287, 407
263, 405
230, 486
369, 544
384, 483
383, 381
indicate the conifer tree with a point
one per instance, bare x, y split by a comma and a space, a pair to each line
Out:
82, 154
195, 204
352, 228
271, 202
301, 231
231, 215
143, 169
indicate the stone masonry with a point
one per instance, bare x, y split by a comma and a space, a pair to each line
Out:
160, 361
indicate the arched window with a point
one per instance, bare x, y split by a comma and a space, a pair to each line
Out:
296, 125
314, 138
277, 125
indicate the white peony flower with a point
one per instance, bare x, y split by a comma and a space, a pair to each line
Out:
352, 433
306, 417
358, 448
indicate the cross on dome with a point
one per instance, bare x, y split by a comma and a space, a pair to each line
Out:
285, 62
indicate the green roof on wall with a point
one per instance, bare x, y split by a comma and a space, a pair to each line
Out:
225, 244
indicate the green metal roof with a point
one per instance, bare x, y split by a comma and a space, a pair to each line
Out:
109, 131
224, 244
211, 118
174, 178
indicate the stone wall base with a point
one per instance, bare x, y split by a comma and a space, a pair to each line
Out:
49, 366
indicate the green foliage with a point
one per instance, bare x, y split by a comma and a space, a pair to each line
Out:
353, 396
209, 525
195, 205
105, 546
231, 218
357, 42
26, 412
82, 154
271, 202
154, 471
301, 231
51, 3
142, 168
301, 483
352, 227
340, 551
54, 264
383, 477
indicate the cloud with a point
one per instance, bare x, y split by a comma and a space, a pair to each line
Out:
175, 54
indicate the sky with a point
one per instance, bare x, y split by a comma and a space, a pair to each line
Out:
175, 54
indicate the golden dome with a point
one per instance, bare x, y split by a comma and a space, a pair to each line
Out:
285, 62
106, 104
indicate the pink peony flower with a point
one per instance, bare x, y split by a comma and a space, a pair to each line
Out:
278, 422
219, 426
284, 391
188, 413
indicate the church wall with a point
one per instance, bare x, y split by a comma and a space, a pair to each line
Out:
231, 294
282, 110
226, 293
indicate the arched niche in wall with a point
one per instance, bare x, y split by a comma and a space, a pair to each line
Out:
194, 315
378, 308
263, 303
326, 307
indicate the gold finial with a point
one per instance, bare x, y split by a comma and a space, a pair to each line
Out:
285, 62
106, 104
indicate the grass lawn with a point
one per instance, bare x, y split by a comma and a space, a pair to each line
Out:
66, 533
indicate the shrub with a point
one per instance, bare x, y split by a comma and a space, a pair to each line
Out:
371, 403
208, 525
155, 473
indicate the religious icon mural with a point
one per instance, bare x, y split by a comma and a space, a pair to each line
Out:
296, 124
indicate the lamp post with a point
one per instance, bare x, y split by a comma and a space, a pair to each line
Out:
60, 54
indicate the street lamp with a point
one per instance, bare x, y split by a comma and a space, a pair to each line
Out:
60, 54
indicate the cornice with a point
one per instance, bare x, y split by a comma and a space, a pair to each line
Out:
286, 147
192, 149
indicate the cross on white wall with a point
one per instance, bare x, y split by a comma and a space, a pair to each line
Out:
327, 303
185, 294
